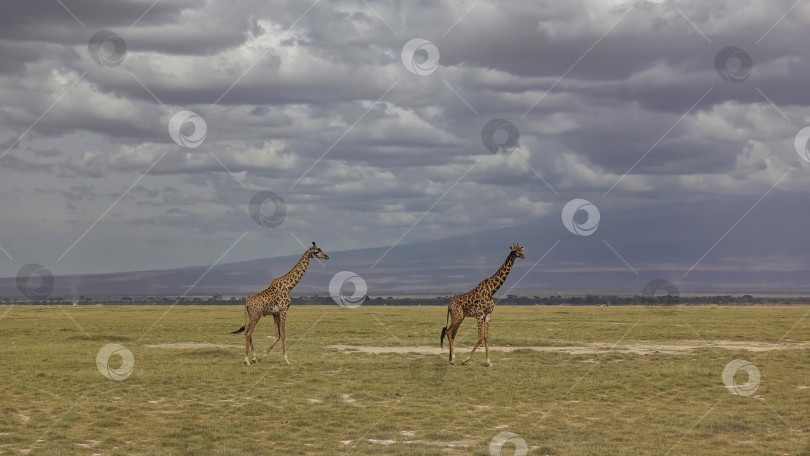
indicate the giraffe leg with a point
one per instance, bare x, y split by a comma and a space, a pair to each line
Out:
252, 349
450, 341
451, 336
282, 328
486, 340
278, 336
249, 340
480, 338
247, 347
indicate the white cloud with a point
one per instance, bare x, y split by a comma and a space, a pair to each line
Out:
298, 85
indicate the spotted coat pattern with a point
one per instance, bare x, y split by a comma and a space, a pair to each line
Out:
478, 303
275, 300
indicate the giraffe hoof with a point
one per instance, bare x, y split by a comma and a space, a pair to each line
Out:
464, 363
488, 364
452, 362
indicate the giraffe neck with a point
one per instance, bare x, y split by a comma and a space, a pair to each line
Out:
492, 284
295, 274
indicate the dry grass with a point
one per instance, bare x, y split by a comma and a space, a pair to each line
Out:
201, 400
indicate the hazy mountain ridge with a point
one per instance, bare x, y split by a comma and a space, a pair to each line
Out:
617, 257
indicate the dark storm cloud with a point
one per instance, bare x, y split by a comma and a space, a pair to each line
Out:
312, 102
80, 193
12, 143
21, 165
41, 20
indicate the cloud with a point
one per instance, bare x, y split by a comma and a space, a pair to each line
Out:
14, 163
615, 101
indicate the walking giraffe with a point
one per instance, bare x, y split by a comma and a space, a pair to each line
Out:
478, 303
275, 300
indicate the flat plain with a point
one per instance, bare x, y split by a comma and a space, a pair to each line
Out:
372, 380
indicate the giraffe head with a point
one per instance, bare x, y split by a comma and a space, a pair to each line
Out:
517, 250
316, 252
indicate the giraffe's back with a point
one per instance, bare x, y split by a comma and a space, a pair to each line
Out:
268, 301
471, 303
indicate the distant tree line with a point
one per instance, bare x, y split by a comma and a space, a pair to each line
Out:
508, 300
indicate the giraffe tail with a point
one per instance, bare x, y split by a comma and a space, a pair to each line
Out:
238, 331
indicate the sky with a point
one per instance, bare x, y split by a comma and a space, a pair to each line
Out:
141, 135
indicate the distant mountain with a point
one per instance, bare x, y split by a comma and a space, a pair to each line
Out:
621, 255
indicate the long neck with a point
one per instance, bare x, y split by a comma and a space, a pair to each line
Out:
494, 283
295, 274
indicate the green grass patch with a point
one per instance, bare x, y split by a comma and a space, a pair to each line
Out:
203, 400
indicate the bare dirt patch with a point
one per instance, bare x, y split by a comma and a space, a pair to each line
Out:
451, 444
640, 348
89, 444
192, 345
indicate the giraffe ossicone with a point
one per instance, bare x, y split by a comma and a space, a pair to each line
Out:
275, 300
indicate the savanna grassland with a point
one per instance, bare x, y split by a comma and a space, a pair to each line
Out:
576, 381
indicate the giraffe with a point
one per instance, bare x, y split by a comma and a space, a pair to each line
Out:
275, 300
478, 303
